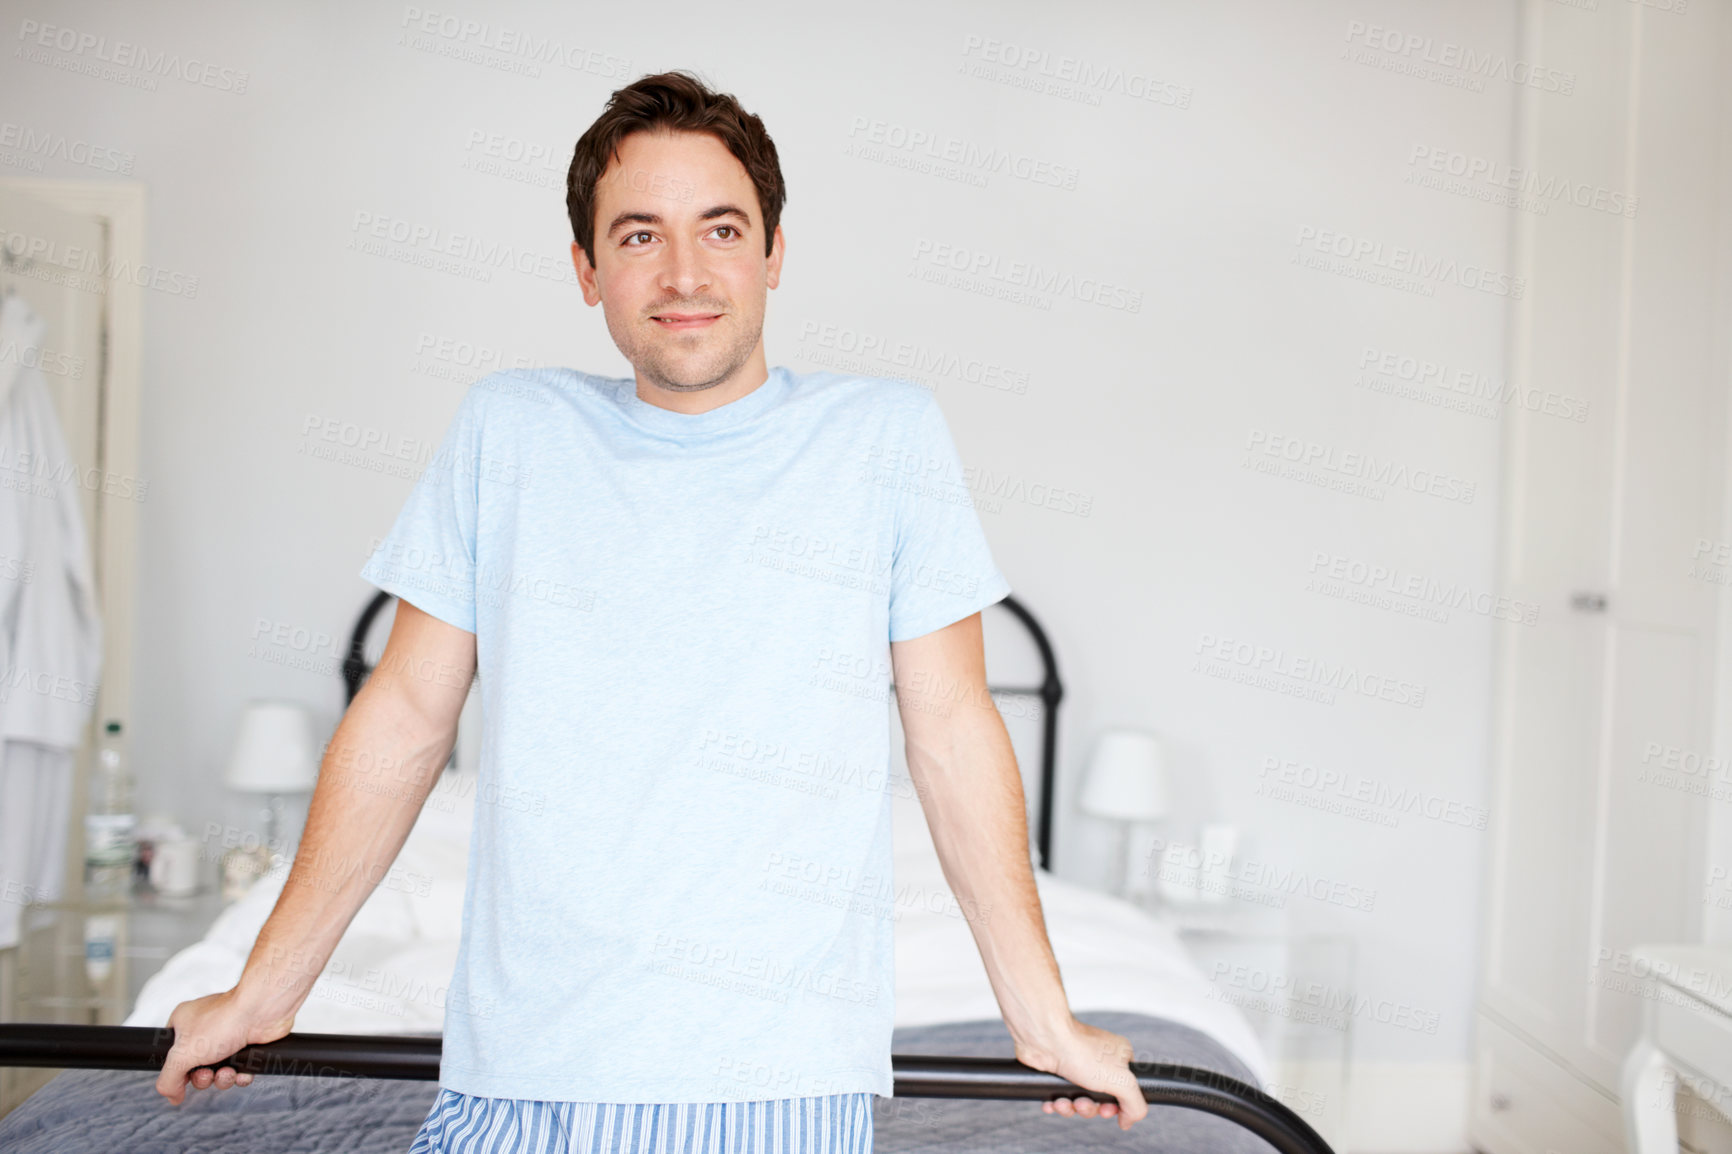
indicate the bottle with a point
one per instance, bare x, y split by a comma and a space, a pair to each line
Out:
100, 934
110, 825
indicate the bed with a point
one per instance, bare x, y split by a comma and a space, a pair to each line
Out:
1123, 970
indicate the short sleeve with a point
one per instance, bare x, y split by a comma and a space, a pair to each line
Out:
941, 569
428, 558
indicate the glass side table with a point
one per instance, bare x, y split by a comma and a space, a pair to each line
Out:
60, 979
1294, 987
55, 979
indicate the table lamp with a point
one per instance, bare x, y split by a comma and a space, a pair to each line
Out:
1126, 782
274, 754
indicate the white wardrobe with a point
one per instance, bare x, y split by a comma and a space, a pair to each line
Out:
1606, 525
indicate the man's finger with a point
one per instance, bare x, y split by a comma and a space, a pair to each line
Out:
1133, 1102
172, 1089
1132, 1107
174, 1075
1121, 1083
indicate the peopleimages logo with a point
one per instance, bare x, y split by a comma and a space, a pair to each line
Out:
1271, 991
967, 155
1418, 49
1360, 468
1368, 255
1396, 800
858, 347
1437, 378
1070, 77
1501, 176
1330, 569
45, 145
87, 46
1268, 661
972, 264
462, 253
78, 267
457, 31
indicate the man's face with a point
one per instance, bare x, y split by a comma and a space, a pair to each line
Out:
680, 270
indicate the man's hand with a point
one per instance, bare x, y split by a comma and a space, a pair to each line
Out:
207, 1030
1094, 1059
965, 772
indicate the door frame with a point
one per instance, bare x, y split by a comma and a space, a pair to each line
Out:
120, 206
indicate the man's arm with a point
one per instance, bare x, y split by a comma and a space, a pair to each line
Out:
965, 772
381, 764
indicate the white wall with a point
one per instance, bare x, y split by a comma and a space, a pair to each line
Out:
1269, 122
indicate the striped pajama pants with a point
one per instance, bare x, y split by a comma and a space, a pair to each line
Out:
468, 1124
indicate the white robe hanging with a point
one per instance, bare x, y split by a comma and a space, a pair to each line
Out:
50, 627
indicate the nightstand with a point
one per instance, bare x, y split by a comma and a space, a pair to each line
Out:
51, 982
1295, 988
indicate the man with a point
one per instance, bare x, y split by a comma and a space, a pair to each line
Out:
687, 593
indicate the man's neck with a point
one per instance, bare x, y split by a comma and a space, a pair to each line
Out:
745, 379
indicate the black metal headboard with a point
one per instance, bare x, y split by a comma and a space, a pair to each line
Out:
356, 666
1050, 691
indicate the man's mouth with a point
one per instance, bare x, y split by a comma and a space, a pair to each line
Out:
684, 320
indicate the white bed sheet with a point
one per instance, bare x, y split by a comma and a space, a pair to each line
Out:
390, 972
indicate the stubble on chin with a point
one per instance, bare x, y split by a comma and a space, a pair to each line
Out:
652, 357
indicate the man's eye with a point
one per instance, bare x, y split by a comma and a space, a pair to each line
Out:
729, 229
634, 236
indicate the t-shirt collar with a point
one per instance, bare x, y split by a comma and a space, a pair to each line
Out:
734, 413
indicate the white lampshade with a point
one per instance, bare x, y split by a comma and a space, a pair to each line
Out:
275, 751
1127, 778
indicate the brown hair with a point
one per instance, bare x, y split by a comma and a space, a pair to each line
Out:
680, 102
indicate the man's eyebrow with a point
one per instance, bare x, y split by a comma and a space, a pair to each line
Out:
724, 210
631, 218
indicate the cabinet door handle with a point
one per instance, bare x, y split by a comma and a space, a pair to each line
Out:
1499, 1103
1588, 602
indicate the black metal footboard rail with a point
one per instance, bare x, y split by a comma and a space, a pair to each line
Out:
417, 1058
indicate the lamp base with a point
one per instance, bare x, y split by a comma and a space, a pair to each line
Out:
241, 868
1139, 871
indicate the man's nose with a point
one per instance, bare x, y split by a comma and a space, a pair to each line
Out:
684, 271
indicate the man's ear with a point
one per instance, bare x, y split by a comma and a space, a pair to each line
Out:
773, 266
586, 274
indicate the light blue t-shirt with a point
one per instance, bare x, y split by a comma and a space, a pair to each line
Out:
679, 884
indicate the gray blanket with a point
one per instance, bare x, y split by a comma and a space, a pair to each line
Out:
110, 1111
